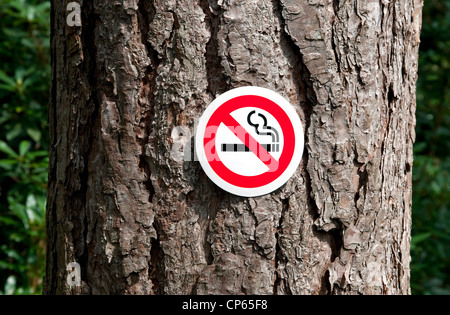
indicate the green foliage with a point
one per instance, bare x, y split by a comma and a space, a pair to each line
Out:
430, 245
24, 93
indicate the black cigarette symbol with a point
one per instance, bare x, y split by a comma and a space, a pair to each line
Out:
262, 129
240, 147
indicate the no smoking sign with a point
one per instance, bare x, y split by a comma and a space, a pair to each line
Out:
249, 141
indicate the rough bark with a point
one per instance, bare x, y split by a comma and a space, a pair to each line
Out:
128, 87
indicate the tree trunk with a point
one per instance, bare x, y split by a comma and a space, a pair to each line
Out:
129, 85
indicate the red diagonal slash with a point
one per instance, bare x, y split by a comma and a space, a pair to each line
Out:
251, 143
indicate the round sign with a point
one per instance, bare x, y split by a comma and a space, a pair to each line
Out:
249, 141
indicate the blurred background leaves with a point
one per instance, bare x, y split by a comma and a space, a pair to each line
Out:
430, 244
24, 93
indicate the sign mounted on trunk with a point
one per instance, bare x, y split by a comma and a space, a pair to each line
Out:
249, 141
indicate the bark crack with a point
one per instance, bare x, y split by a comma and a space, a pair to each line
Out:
156, 263
334, 35
278, 250
90, 69
217, 80
146, 13
363, 178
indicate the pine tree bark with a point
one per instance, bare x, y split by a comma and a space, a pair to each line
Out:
130, 83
